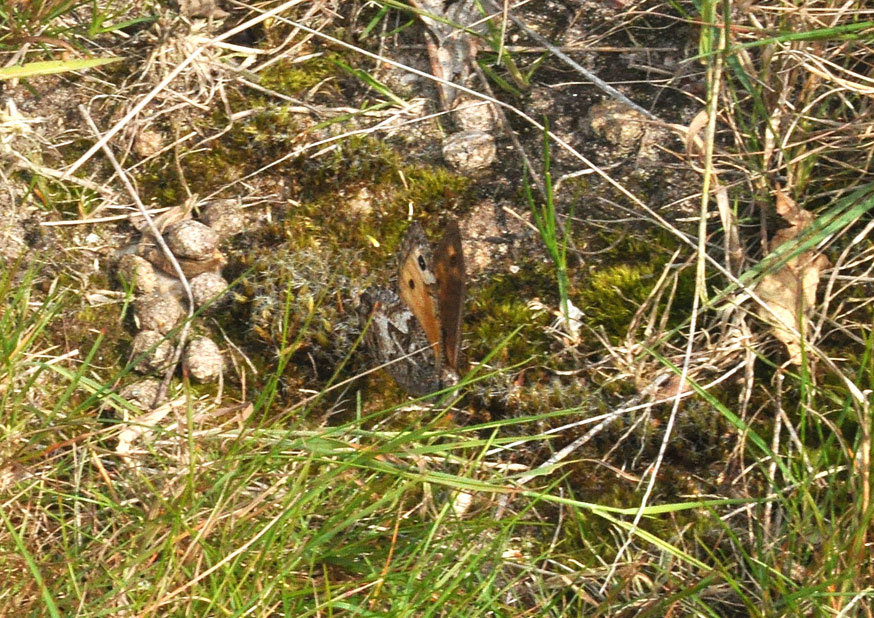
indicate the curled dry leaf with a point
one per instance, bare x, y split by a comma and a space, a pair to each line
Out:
141, 425
694, 144
790, 291
696, 149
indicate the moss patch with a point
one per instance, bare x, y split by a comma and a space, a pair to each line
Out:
623, 280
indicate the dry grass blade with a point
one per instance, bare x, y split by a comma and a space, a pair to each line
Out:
700, 406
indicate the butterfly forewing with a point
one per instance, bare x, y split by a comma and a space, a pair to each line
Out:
417, 282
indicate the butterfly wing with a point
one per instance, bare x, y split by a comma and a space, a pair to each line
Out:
426, 312
396, 340
449, 273
417, 283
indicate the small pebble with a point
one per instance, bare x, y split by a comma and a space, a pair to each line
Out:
225, 217
137, 271
148, 143
151, 351
472, 114
202, 8
362, 203
617, 123
203, 360
142, 394
158, 312
190, 239
209, 288
191, 268
469, 150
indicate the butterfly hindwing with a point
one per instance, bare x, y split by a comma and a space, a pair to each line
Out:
396, 340
449, 272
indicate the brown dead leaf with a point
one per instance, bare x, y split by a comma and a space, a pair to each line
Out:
798, 218
144, 426
694, 143
790, 292
696, 149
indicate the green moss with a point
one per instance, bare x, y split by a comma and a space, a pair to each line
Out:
159, 184
498, 308
293, 78
82, 328
613, 295
615, 289
368, 173
432, 189
354, 163
300, 306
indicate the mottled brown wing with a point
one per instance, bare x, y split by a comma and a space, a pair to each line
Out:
449, 272
395, 339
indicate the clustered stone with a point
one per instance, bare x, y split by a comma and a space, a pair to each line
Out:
473, 147
160, 299
151, 351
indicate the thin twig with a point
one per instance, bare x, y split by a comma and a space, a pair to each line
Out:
136, 109
597, 81
159, 240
